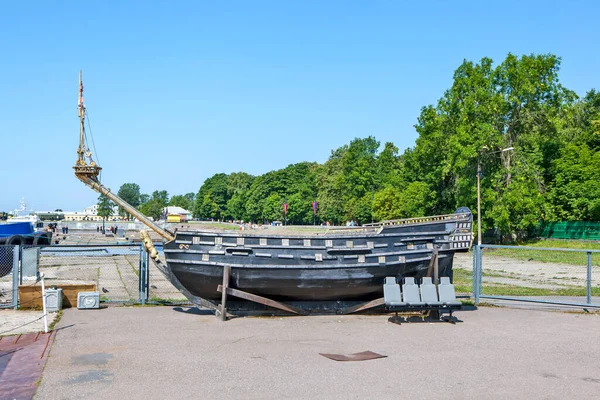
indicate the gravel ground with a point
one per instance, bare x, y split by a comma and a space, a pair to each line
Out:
535, 274
165, 353
14, 322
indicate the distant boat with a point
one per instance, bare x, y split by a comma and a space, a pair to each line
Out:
341, 265
22, 230
18, 232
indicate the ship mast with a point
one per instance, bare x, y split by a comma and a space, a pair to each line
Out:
81, 112
88, 172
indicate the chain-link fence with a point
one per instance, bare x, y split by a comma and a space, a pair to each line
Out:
159, 289
462, 274
114, 270
544, 275
9, 261
120, 273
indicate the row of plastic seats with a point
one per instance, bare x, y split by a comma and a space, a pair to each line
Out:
424, 295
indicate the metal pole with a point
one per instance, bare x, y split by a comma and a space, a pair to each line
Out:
44, 304
142, 275
140, 271
15, 280
20, 264
147, 289
479, 274
479, 202
480, 279
588, 294
474, 278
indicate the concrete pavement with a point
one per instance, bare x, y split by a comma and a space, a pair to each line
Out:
171, 353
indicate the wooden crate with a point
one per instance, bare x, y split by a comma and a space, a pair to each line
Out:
31, 296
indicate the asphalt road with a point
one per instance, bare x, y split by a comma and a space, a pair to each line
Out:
161, 353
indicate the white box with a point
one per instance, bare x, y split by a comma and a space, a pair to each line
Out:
53, 300
87, 300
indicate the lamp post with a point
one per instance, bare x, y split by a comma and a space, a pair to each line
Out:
479, 189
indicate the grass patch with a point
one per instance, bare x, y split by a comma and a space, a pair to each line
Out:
216, 225
551, 256
462, 280
513, 290
160, 301
59, 315
135, 270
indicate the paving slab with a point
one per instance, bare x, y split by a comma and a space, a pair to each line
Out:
170, 352
22, 359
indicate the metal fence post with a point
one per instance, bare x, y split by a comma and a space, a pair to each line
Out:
20, 264
474, 279
479, 275
15, 277
142, 275
147, 290
588, 292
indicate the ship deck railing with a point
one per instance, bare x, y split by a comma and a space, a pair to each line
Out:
418, 220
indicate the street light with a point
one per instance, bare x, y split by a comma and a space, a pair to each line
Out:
479, 189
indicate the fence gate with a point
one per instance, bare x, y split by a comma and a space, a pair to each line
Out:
9, 276
536, 274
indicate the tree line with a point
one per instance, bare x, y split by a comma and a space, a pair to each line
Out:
535, 142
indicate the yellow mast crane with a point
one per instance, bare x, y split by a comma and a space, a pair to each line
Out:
87, 172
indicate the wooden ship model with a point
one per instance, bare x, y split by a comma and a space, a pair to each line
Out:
338, 270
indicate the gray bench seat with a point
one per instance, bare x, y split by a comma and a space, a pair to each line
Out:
422, 297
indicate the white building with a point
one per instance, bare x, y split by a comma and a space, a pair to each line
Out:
176, 214
91, 214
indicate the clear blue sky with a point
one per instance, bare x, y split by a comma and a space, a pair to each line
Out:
177, 91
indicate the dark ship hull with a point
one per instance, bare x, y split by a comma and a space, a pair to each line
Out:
333, 266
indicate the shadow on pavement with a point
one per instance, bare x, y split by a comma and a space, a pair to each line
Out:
193, 311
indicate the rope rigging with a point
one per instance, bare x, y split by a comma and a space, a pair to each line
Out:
93, 143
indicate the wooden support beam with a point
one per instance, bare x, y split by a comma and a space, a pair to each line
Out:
261, 300
433, 270
363, 306
436, 267
222, 308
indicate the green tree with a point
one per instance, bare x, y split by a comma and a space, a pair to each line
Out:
155, 206
575, 192
152, 209
273, 208
105, 208
416, 200
236, 206
144, 198
515, 104
130, 192
211, 200
298, 180
185, 201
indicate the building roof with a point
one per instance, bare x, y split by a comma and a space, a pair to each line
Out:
176, 210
